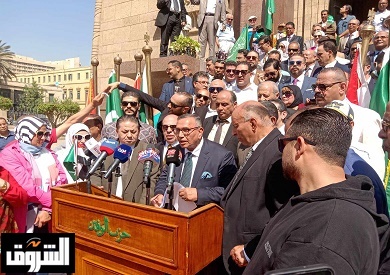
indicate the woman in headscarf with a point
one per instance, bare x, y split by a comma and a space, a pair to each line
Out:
75, 140
283, 46
35, 168
292, 97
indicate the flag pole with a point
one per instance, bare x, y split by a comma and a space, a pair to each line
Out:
94, 63
147, 50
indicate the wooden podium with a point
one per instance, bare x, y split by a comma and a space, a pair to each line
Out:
118, 237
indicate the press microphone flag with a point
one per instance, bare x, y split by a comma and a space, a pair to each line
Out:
93, 146
121, 155
149, 157
107, 148
173, 159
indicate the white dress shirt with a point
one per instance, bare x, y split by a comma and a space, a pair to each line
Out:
195, 157
225, 128
300, 80
248, 93
211, 4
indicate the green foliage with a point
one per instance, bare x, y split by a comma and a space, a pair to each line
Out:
33, 95
5, 103
184, 45
6, 69
57, 111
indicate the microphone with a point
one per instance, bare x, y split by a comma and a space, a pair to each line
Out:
107, 148
173, 159
149, 157
94, 147
121, 155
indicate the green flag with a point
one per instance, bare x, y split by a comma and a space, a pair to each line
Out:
270, 7
113, 102
380, 95
241, 43
69, 163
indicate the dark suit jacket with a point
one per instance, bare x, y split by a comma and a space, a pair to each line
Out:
132, 177
230, 142
337, 65
216, 160
371, 85
163, 14
295, 38
169, 87
307, 91
254, 197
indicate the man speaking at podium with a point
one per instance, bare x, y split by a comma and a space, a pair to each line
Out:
129, 185
205, 170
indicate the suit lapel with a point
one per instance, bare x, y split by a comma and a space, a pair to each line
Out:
209, 123
130, 167
228, 136
200, 166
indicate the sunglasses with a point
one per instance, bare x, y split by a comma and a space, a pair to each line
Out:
252, 20
298, 62
132, 103
385, 126
287, 94
251, 57
293, 50
40, 134
323, 87
165, 127
205, 98
270, 74
230, 71
80, 137
215, 89
173, 105
282, 142
243, 72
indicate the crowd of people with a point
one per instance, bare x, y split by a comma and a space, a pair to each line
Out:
271, 137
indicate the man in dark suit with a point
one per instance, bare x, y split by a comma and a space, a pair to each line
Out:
178, 82
180, 103
311, 62
258, 189
290, 36
170, 19
297, 67
326, 54
273, 72
170, 140
219, 128
205, 170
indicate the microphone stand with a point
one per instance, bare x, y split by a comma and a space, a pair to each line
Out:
170, 187
89, 188
109, 186
147, 185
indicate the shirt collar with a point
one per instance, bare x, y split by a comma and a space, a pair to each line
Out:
196, 151
254, 147
331, 64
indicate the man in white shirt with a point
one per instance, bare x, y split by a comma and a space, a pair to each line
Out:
216, 86
311, 62
381, 15
225, 35
245, 90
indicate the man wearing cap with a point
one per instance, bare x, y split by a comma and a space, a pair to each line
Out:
281, 31
357, 161
290, 36
210, 13
253, 33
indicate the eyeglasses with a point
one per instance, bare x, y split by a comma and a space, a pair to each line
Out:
173, 105
251, 57
205, 98
293, 50
229, 19
323, 87
316, 36
381, 37
385, 126
282, 142
252, 20
203, 82
80, 137
271, 74
132, 103
298, 62
287, 94
215, 89
40, 134
230, 71
243, 72
165, 127
185, 131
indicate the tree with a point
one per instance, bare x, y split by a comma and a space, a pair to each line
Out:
5, 103
57, 111
33, 95
6, 69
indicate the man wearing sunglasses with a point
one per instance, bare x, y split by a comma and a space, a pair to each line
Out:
314, 153
202, 98
230, 77
331, 85
297, 67
253, 60
219, 128
258, 189
216, 86
290, 36
130, 106
273, 73
178, 82
245, 90
205, 170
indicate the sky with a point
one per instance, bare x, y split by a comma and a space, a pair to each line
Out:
48, 30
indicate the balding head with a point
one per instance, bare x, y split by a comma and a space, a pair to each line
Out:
267, 90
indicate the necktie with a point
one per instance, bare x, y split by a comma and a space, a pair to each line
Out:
288, 39
175, 5
220, 123
247, 157
295, 81
308, 72
187, 171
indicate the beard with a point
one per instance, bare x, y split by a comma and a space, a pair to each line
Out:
289, 170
